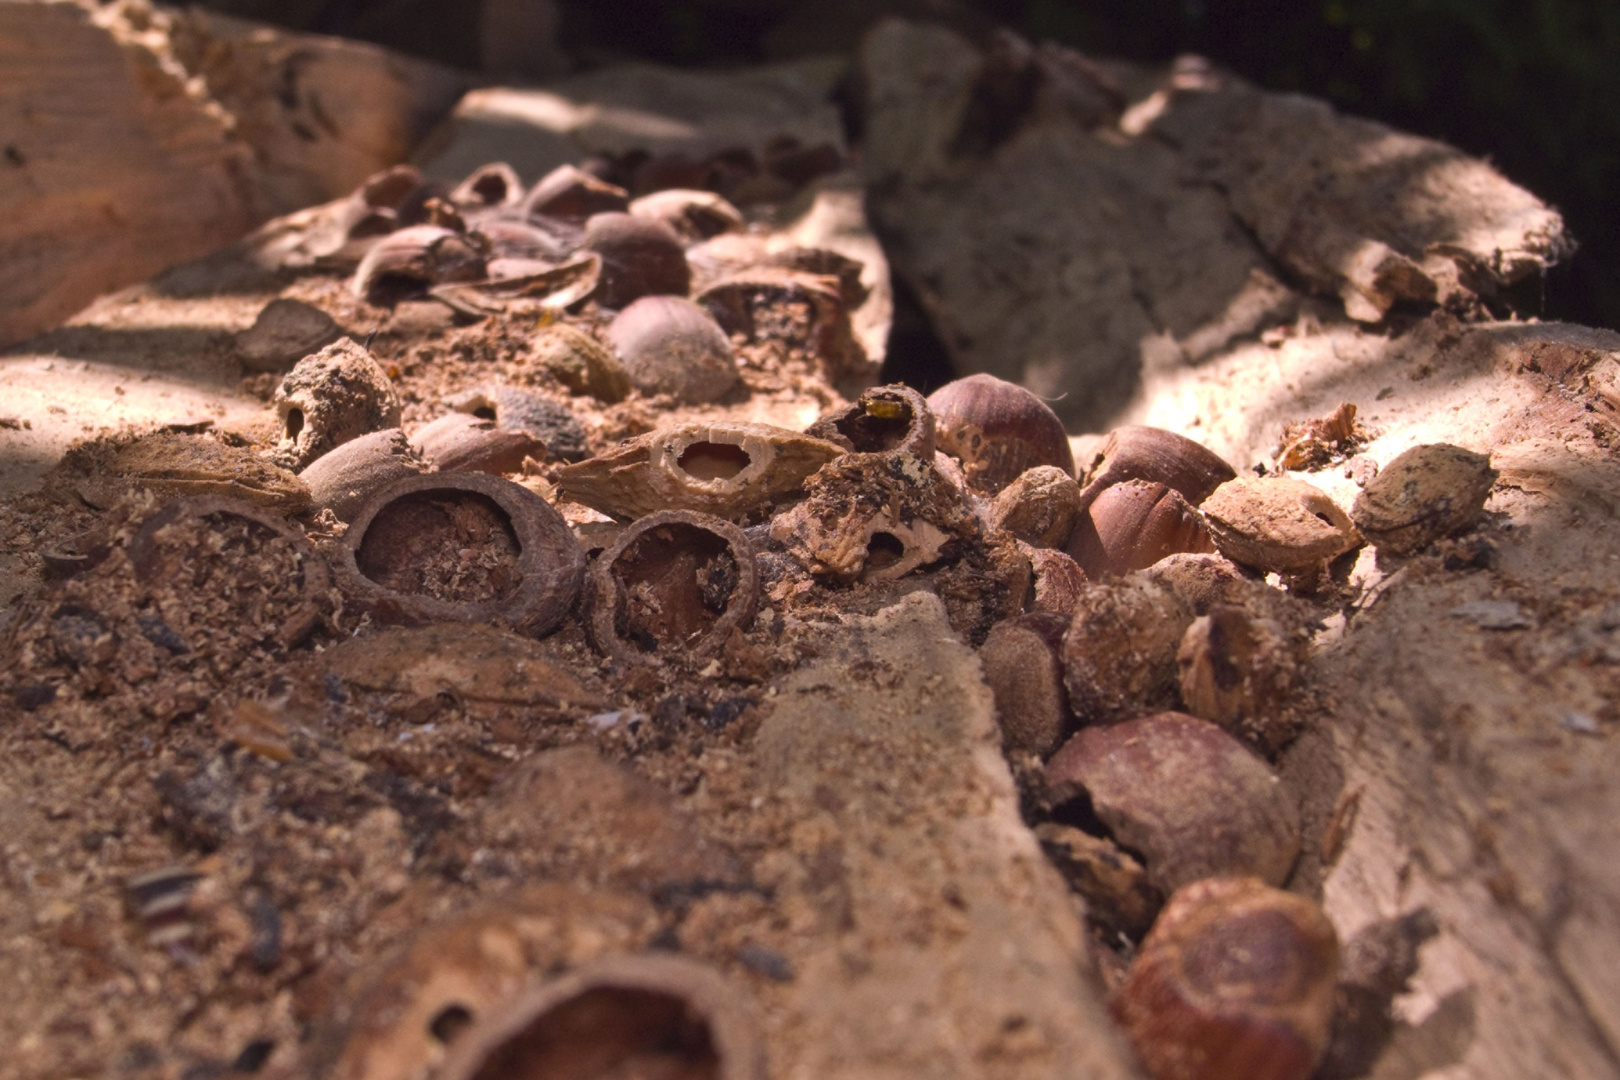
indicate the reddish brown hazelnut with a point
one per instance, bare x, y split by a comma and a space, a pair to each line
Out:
671, 346
1191, 800
997, 429
1020, 658
1119, 655
1234, 982
573, 194
341, 480
639, 258
1135, 452
1132, 525
460, 442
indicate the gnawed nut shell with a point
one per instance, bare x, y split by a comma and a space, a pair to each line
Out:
524, 565
410, 260
883, 418
728, 468
327, 399
1277, 524
1425, 494
1192, 800
1136, 452
572, 194
172, 465
343, 479
694, 216
1119, 654
1040, 507
672, 587
639, 258
517, 409
648, 1015
751, 303
489, 187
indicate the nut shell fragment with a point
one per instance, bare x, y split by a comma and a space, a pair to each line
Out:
1277, 524
693, 215
461, 442
284, 332
1243, 669
1119, 654
883, 418
172, 465
1192, 800
672, 587
1425, 494
728, 468
1136, 452
408, 522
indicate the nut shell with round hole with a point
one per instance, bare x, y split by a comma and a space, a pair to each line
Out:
1132, 525
385, 560
671, 588
338, 394
1234, 982
997, 429
883, 418
1425, 494
668, 345
639, 258
728, 468
343, 479
1277, 524
1137, 452
646, 1015
1119, 654
1040, 507
1021, 664
1188, 798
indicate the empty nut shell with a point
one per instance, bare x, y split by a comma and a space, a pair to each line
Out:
647, 1015
461, 547
1243, 670
1277, 524
671, 346
1135, 452
1425, 494
672, 587
1025, 673
343, 479
171, 465
639, 258
1131, 526
883, 418
731, 469
461, 442
1040, 507
693, 215
407, 262
489, 187
327, 399
1119, 655
1234, 982
997, 429
792, 308
1192, 800
572, 194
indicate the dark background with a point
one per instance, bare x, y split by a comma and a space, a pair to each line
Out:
1530, 84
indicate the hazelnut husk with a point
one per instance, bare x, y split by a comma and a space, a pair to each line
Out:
997, 429
1277, 524
1234, 982
1425, 494
1131, 526
1040, 507
639, 258
1119, 654
1135, 452
1184, 795
1021, 664
668, 345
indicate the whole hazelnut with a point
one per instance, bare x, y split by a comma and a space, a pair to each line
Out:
640, 258
1277, 524
1132, 525
671, 346
342, 479
997, 429
1020, 658
1119, 654
1187, 797
1425, 494
1135, 452
461, 442
1234, 982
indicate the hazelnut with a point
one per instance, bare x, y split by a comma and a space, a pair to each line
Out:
1040, 507
327, 399
460, 442
1425, 494
998, 429
693, 215
1132, 525
639, 258
518, 410
1199, 581
342, 479
572, 194
1243, 670
1277, 524
1135, 452
1020, 658
671, 346
883, 418
1187, 797
1234, 982
1119, 654
581, 363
